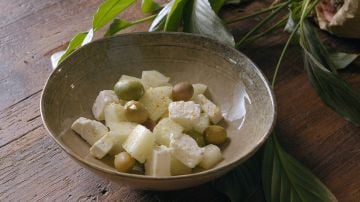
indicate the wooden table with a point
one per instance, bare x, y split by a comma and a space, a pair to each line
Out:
33, 167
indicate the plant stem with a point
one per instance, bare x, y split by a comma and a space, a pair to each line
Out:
256, 13
151, 17
259, 25
269, 30
283, 53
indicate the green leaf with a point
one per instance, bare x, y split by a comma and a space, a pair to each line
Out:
148, 6
244, 182
234, 1
203, 20
174, 16
342, 60
332, 89
74, 44
116, 26
158, 23
108, 11
216, 4
285, 179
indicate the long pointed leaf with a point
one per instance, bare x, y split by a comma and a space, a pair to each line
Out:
217, 4
75, 42
116, 26
158, 23
175, 15
148, 6
342, 60
203, 20
108, 11
285, 179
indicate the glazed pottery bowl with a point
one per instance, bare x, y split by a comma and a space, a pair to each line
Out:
234, 83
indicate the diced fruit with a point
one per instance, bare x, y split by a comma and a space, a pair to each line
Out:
164, 129
202, 124
156, 101
136, 112
140, 143
89, 130
123, 127
198, 137
186, 150
129, 78
178, 168
185, 113
158, 164
123, 162
212, 156
182, 91
210, 108
104, 98
114, 113
118, 140
199, 88
129, 90
215, 135
102, 146
153, 79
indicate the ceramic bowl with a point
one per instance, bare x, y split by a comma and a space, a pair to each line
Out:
234, 83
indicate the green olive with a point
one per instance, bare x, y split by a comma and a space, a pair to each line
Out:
182, 91
215, 135
129, 90
198, 137
123, 162
135, 112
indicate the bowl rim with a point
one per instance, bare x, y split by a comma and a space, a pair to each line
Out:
209, 172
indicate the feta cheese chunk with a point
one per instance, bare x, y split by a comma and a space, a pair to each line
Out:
114, 113
186, 150
140, 143
212, 156
153, 79
102, 146
210, 108
164, 129
156, 101
178, 168
104, 98
159, 162
199, 88
185, 113
202, 124
89, 130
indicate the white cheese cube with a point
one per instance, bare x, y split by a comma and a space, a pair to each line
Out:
212, 156
202, 124
114, 113
186, 150
199, 88
210, 108
185, 113
104, 98
159, 162
153, 78
101, 147
178, 168
156, 101
140, 143
164, 129
89, 130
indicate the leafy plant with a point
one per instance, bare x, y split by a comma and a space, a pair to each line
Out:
271, 171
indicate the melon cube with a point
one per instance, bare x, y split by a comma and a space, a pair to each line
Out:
128, 78
89, 130
104, 98
156, 101
199, 88
164, 129
140, 143
159, 162
186, 150
118, 140
102, 146
202, 124
185, 113
114, 113
210, 108
212, 156
178, 168
153, 78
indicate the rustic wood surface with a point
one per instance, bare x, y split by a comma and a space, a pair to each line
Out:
33, 167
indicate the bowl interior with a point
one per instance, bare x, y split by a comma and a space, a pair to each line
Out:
234, 83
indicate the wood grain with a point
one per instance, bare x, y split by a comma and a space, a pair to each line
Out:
33, 167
